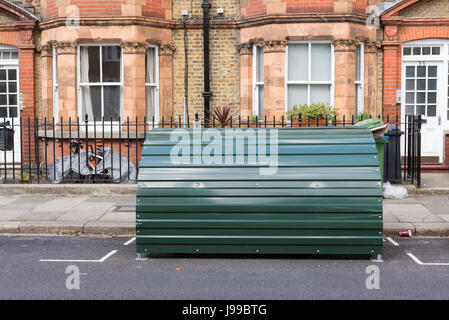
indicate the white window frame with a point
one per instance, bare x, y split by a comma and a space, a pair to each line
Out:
360, 84
55, 85
310, 82
102, 84
257, 84
155, 85
13, 64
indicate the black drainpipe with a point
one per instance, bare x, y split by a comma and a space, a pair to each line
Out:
206, 94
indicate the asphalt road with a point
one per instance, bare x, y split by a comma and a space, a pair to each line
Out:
109, 274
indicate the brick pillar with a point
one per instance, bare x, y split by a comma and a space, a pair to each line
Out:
392, 78
134, 80
344, 100
47, 79
67, 86
166, 52
246, 80
274, 71
370, 90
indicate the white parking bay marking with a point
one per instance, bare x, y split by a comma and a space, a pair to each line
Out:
414, 258
129, 241
393, 242
80, 261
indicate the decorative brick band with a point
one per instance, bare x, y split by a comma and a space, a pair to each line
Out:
372, 46
133, 47
46, 50
167, 49
245, 48
273, 46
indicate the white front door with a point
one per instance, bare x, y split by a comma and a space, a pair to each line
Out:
9, 109
425, 92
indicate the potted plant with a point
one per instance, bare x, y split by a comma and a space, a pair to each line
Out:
223, 115
320, 114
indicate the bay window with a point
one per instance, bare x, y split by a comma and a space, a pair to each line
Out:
101, 81
310, 73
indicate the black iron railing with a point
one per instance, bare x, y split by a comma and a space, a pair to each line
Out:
42, 150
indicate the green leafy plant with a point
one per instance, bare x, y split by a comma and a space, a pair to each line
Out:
27, 177
223, 115
363, 116
255, 119
312, 111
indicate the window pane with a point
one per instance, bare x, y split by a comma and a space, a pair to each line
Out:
421, 97
421, 72
432, 111
432, 84
426, 51
321, 62
2, 87
421, 84
150, 76
409, 110
432, 97
436, 51
12, 75
111, 63
320, 94
420, 110
261, 102
91, 99
3, 74
13, 112
13, 99
297, 94
90, 64
112, 102
3, 112
298, 61
3, 100
410, 72
12, 87
14, 55
150, 92
410, 85
410, 97
260, 65
417, 51
432, 71
357, 63
407, 51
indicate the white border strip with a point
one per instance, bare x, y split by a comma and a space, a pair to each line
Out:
129, 241
414, 258
393, 242
80, 261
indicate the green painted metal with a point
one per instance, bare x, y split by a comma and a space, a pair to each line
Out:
324, 198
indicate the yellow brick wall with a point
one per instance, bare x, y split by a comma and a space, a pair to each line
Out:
435, 8
224, 57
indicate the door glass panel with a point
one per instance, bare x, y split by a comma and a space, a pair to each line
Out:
421, 99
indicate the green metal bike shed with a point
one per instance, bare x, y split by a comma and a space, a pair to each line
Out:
324, 198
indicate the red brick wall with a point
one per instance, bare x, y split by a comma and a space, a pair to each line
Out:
154, 8
50, 10
99, 7
303, 6
360, 6
256, 8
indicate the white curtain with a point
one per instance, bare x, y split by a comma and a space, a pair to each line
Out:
150, 79
85, 91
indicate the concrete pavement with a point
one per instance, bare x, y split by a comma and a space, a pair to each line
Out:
424, 215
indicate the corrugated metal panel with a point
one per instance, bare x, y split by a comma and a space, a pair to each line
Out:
325, 197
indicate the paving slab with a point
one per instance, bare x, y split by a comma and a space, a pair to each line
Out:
11, 215
119, 216
412, 213
86, 211
409, 200
59, 204
40, 215
445, 217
